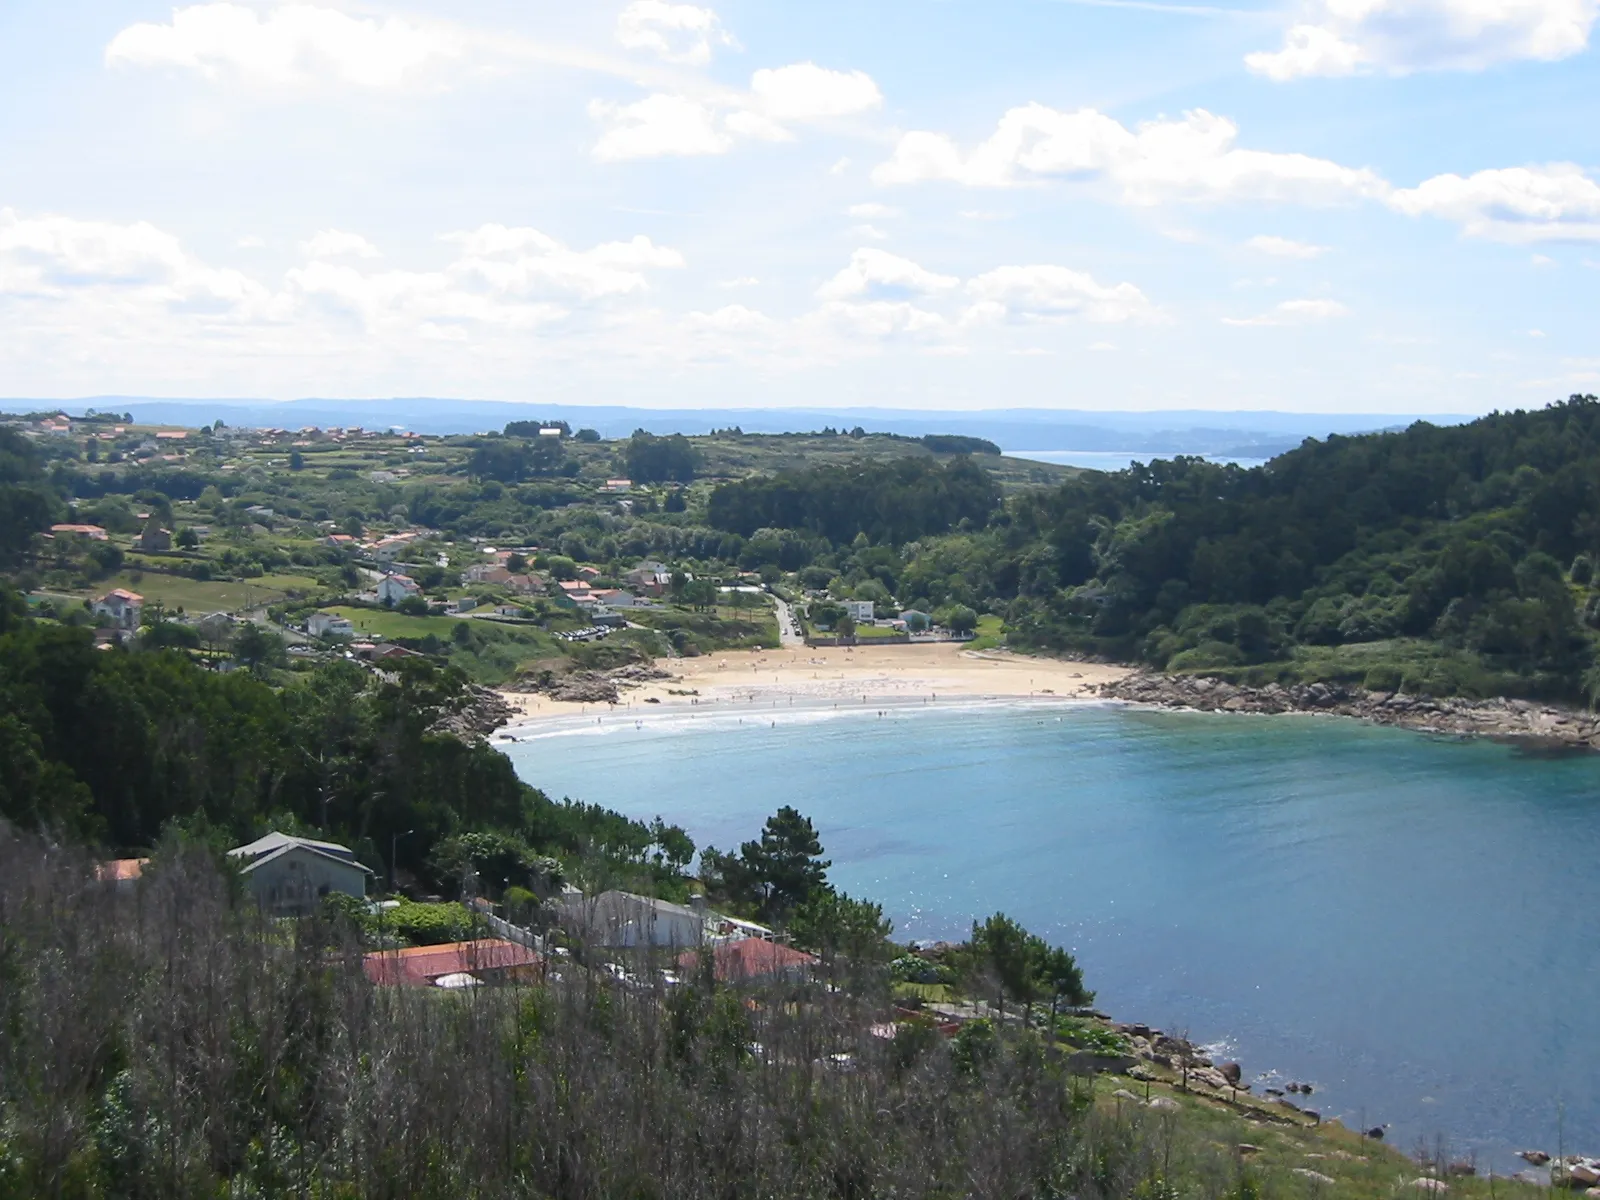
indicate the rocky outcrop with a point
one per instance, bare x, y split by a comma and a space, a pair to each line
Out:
1534, 725
480, 713
591, 687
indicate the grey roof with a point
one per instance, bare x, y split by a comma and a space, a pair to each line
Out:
292, 847
277, 841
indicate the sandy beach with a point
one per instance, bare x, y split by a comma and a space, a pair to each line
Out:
891, 675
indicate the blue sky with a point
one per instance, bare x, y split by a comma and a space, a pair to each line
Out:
1323, 205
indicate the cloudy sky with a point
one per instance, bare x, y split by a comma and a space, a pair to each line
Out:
1322, 205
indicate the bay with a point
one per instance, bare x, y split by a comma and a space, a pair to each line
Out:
1409, 924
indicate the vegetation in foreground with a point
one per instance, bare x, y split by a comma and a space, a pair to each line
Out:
176, 1044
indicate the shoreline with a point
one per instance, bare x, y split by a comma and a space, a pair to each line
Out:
1535, 728
825, 679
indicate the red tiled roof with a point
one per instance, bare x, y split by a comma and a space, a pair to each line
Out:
119, 869
419, 966
750, 958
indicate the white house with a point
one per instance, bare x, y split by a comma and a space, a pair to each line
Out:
329, 625
121, 607
623, 919
858, 610
289, 875
394, 588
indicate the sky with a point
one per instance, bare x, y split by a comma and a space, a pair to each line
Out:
1299, 205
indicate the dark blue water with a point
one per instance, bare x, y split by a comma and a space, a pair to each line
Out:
1412, 925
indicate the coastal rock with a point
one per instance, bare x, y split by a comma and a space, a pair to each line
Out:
1583, 1174
1437, 1186
1209, 1077
1232, 1072
1537, 1157
1376, 1133
1247, 1149
1125, 1094
1314, 1176
1164, 1104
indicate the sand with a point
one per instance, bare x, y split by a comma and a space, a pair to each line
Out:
890, 675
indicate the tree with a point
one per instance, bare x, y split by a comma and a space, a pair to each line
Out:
413, 606
587, 435
651, 459
961, 619
1059, 977
1002, 946
257, 647
834, 924
297, 461
188, 539
516, 564
778, 873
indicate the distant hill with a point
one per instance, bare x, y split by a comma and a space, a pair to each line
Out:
1179, 431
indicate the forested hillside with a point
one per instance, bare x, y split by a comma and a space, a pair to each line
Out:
1468, 551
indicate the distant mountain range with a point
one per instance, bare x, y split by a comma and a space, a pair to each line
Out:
1216, 434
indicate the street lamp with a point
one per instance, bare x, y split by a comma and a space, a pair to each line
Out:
394, 842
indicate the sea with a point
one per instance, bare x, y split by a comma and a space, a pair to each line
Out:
1409, 924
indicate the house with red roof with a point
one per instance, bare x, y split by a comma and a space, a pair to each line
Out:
453, 965
751, 958
120, 607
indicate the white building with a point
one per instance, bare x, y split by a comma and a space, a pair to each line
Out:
623, 920
329, 625
858, 610
394, 588
121, 607
292, 874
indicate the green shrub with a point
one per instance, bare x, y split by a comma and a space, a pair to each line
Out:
432, 924
1382, 678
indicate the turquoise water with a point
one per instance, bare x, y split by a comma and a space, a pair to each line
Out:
1409, 924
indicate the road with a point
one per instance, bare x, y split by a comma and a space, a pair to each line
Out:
788, 624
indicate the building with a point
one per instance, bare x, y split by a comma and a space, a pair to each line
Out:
120, 607
916, 621
155, 540
394, 588
340, 541
589, 574
485, 573
329, 625
750, 958
617, 598
290, 875
94, 533
858, 610
388, 549
618, 485
623, 920
121, 874
453, 965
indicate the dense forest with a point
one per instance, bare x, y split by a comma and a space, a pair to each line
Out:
1469, 550
119, 746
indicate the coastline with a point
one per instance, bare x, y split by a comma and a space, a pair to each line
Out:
1533, 727
828, 677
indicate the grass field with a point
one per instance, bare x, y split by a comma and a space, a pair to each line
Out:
210, 595
991, 633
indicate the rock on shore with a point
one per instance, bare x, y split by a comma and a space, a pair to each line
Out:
1534, 724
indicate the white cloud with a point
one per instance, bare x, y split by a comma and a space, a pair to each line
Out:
731, 318
334, 243
1189, 159
1294, 312
290, 46
872, 212
1346, 37
103, 284
1557, 202
807, 92
1282, 247
1541, 260
251, 241
1101, 347
60, 258
879, 318
672, 124
657, 126
681, 33
881, 276
1044, 293
868, 231
1536, 333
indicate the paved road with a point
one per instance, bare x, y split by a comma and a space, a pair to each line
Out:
788, 624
